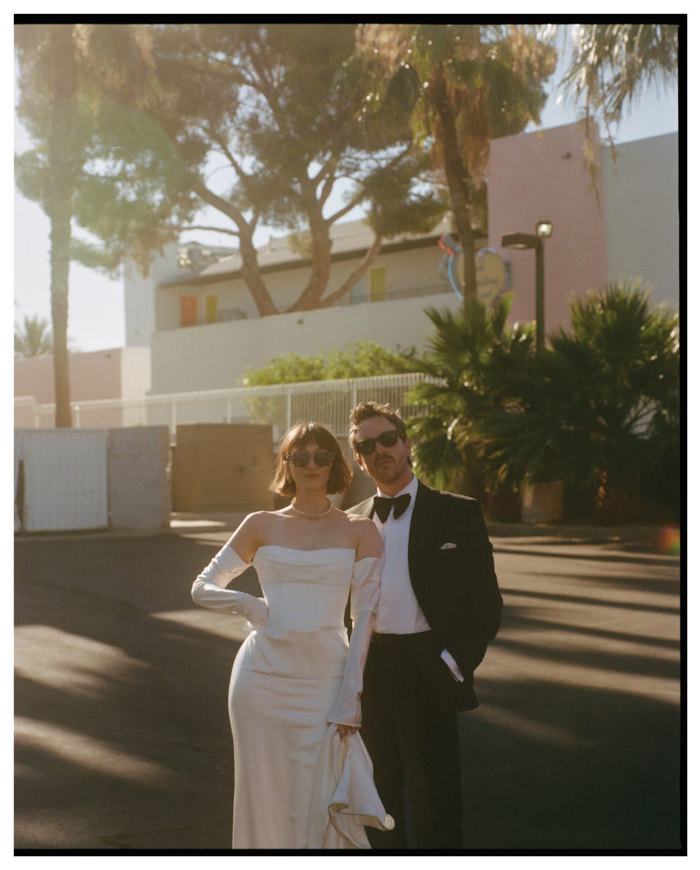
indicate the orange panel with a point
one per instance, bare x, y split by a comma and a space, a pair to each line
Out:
188, 311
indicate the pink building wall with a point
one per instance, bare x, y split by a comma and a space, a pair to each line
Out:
540, 176
100, 374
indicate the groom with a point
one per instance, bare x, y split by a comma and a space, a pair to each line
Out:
439, 607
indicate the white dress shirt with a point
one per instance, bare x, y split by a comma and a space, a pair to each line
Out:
399, 611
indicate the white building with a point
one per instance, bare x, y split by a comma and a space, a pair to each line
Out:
204, 329
210, 318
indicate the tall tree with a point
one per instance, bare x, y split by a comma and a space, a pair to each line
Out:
460, 85
611, 65
49, 108
33, 337
601, 411
476, 363
58, 84
277, 109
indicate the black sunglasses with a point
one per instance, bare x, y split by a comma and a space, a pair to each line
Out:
320, 457
386, 439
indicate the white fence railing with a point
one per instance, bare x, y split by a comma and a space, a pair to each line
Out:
328, 402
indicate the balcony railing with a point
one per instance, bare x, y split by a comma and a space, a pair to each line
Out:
226, 315
397, 295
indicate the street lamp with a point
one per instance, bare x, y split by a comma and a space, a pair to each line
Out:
522, 242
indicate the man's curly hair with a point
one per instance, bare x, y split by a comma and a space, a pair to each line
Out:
367, 410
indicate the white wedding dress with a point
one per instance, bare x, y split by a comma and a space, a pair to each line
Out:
297, 785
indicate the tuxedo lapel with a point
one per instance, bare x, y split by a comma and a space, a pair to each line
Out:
423, 520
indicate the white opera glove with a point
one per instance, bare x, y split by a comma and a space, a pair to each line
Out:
209, 588
447, 657
364, 601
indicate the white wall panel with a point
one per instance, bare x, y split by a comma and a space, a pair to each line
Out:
65, 474
642, 221
138, 462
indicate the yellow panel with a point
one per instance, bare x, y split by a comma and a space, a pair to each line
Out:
212, 309
377, 284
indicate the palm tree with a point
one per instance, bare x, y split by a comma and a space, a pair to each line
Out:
611, 66
63, 69
613, 63
461, 84
477, 364
600, 410
33, 337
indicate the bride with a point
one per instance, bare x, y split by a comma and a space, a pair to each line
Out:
303, 779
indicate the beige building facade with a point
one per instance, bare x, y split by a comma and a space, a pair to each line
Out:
206, 331
210, 318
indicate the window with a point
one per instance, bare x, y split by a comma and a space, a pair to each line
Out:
357, 292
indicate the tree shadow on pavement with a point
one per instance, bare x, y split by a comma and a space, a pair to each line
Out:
558, 767
122, 734
587, 600
577, 744
123, 740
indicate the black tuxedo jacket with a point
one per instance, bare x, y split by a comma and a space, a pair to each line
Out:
455, 586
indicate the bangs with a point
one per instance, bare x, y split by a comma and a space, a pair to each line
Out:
307, 433
300, 436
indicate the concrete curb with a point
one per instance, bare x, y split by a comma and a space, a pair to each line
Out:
581, 533
660, 538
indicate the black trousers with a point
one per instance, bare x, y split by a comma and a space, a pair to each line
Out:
413, 741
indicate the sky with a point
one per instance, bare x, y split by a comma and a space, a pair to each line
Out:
96, 303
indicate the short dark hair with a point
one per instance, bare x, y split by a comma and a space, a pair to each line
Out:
367, 410
300, 434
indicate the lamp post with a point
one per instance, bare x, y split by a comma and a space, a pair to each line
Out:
522, 242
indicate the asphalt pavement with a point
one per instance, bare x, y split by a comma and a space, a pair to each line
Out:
122, 733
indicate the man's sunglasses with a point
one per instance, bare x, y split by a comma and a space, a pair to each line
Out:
386, 439
320, 457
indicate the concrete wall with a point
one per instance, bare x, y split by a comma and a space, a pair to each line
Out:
540, 176
641, 214
25, 412
216, 356
94, 375
121, 372
60, 480
68, 479
222, 467
135, 371
138, 479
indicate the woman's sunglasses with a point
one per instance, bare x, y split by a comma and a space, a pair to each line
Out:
386, 439
320, 457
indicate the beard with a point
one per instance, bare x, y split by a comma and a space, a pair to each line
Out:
387, 470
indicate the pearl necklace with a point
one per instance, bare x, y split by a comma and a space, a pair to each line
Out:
312, 516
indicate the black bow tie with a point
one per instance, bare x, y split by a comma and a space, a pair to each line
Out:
382, 506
